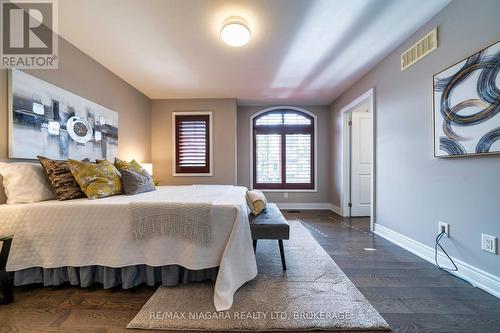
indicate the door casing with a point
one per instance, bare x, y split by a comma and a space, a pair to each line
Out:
367, 97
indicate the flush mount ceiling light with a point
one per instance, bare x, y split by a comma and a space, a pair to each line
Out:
235, 31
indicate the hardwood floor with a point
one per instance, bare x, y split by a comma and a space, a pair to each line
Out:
410, 293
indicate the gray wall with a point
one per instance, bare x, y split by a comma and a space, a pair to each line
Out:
415, 190
323, 140
85, 77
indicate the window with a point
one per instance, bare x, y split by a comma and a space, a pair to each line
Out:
283, 150
192, 143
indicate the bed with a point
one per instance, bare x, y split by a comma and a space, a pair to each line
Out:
84, 241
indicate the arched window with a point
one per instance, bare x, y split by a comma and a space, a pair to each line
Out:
283, 150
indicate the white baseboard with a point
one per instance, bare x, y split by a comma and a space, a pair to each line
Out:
336, 209
304, 206
477, 277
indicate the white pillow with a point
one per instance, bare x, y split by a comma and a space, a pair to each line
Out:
3, 197
257, 201
25, 183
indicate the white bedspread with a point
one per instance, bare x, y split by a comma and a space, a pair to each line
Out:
87, 232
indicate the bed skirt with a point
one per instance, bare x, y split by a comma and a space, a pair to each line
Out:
109, 277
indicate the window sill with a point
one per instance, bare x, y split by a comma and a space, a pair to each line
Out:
281, 190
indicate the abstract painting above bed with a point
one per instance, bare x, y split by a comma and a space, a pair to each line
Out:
50, 121
467, 106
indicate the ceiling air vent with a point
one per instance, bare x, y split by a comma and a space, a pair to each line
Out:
420, 49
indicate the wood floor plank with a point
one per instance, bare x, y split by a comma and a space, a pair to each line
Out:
98, 318
12, 316
464, 294
408, 281
392, 272
384, 305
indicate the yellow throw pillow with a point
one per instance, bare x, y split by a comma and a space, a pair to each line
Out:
256, 201
132, 165
96, 180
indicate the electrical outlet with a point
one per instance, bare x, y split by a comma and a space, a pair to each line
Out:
489, 243
444, 227
285, 195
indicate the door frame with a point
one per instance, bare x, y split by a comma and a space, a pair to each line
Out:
367, 97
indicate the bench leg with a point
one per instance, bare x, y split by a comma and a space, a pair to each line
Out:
254, 245
282, 253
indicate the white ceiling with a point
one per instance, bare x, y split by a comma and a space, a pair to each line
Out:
301, 51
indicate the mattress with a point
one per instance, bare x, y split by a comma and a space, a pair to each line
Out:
85, 232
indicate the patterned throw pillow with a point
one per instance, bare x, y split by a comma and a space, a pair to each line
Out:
62, 181
96, 180
124, 165
136, 182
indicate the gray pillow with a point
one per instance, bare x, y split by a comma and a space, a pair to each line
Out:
136, 182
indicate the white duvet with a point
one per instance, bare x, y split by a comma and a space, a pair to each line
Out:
87, 232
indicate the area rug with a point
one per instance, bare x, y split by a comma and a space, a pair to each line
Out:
314, 294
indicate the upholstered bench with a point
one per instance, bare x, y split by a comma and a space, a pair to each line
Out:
270, 224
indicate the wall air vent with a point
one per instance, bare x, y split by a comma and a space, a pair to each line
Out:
420, 49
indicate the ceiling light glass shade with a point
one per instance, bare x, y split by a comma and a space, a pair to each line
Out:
235, 32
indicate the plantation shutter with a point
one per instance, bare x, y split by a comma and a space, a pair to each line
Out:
268, 155
192, 144
298, 158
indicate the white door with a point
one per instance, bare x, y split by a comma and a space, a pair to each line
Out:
361, 161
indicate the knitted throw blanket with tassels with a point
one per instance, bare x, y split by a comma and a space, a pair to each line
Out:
189, 221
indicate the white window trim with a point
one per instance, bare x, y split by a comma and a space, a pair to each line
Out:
315, 189
211, 135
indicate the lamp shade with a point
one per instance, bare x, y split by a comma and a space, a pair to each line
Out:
148, 167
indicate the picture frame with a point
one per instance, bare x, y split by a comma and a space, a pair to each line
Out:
466, 107
46, 120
